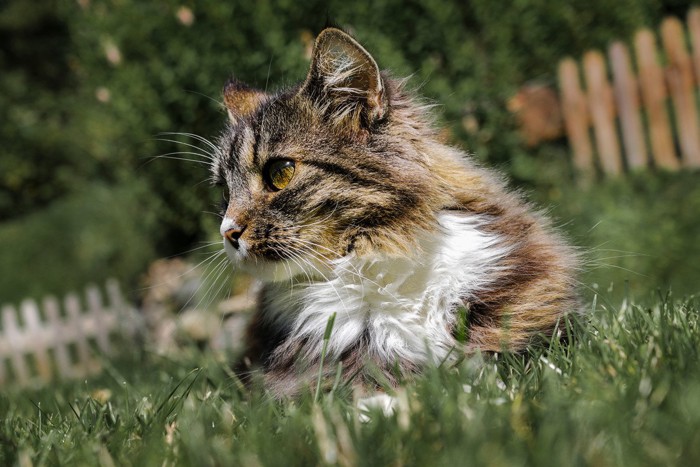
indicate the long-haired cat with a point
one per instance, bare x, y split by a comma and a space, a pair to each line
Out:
341, 199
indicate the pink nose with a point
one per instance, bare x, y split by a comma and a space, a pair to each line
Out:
232, 235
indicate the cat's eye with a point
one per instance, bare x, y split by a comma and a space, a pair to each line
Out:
278, 173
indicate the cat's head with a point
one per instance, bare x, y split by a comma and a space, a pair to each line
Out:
325, 169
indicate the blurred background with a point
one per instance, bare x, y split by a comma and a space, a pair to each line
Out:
89, 87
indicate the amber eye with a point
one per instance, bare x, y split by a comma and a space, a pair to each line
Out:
278, 173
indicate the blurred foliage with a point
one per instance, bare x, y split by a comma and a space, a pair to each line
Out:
88, 86
39, 161
97, 233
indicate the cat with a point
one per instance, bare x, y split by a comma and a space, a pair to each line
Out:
342, 201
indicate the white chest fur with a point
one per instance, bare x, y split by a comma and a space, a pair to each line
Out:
403, 307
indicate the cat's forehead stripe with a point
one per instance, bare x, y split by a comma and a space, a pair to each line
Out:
247, 146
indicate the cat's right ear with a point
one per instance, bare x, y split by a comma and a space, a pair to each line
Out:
241, 100
344, 80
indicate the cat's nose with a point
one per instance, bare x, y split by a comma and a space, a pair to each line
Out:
232, 235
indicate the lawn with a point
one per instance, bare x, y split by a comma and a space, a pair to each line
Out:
624, 391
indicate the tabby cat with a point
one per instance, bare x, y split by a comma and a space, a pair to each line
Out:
342, 199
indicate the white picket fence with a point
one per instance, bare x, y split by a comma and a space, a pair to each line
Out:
41, 344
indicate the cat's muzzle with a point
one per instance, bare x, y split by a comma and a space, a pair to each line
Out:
232, 235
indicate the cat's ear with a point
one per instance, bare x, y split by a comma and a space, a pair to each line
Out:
241, 100
344, 80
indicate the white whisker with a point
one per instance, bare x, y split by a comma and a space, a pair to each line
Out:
191, 250
202, 152
179, 276
330, 282
308, 248
183, 159
215, 257
216, 272
191, 135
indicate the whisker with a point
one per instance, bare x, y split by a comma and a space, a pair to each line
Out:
204, 95
217, 214
203, 153
218, 291
308, 248
184, 159
602, 266
303, 260
179, 276
191, 135
216, 272
191, 250
312, 213
314, 254
184, 153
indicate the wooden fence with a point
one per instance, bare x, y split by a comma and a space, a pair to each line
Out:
40, 347
660, 97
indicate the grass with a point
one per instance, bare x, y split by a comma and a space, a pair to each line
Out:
625, 391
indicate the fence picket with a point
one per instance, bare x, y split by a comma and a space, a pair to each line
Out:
627, 98
32, 325
129, 327
575, 112
15, 339
679, 74
95, 309
55, 325
5, 351
84, 362
694, 31
653, 87
601, 105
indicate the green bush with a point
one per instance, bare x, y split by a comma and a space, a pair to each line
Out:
98, 233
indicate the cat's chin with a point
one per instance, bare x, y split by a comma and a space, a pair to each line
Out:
271, 271
266, 270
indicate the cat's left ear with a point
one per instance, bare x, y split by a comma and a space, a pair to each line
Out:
344, 80
241, 100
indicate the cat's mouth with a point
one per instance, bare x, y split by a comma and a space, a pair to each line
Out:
275, 268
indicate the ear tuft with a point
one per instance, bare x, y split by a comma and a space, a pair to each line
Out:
241, 100
345, 80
